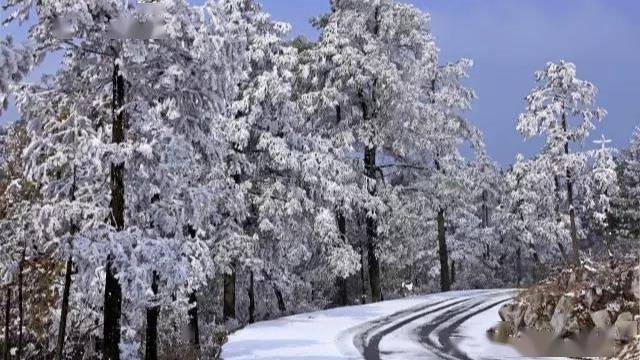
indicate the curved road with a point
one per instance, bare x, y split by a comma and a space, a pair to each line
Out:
437, 327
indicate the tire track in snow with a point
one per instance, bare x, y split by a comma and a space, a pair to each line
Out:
372, 348
368, 340
360, 339
447, 349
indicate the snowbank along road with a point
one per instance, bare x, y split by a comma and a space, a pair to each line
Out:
441, 326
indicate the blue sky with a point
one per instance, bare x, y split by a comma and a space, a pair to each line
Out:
509, 40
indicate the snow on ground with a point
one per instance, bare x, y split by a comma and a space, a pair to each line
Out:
405, 343
322, 335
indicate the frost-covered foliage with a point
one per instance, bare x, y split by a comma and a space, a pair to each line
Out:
601, 187
627, 203
219, 173
560, 99
15, 62
532, 228
563, 110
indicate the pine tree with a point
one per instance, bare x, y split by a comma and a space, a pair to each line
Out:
627, 203
601, 187
367, 88
559, 100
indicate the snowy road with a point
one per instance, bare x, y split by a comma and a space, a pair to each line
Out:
441, 326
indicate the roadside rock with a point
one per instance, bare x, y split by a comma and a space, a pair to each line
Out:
501, 332
570, 304
563, 320
625, 316
513, 314
601, 319
625, 328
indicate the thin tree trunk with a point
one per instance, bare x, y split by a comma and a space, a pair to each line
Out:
64, 310
20, 304
229, 295
194, 330
453, 272
363, 283
518, 266
7, 314
276, 291
280, 298
572, 211
112, 313
112, 290
445, 284
374, 272
341, 283
443, 252
151, 348
252, 301
572, 218
371, 173
485, 210
372, 228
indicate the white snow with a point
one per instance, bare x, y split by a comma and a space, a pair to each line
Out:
405, 343
330, 334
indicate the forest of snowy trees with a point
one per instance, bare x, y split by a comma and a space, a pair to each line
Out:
157, 194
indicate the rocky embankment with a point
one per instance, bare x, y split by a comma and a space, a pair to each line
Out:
576, 307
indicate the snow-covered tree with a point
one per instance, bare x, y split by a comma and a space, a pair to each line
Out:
627, 203
601, 187
530, 226
374, 83
562, 108
20, 265
15, 62
290, 176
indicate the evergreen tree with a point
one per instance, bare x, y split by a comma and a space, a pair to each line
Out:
560, 100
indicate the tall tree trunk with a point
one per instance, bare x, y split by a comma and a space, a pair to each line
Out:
445, 284
363, 283
518, 266
112, 290
7, 315
229, 295
558, 218
341, 283
151, 347
485, 210
453, 272
372, 227
64, 310
572, 218
276, 291
252, 301
572, 211
374, 271
371, 173
194, 330
20, 304
66, 291
341, 297
281, 305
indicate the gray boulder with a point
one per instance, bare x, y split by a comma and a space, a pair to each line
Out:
530, 316
512, 313
562, 316
601, 319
